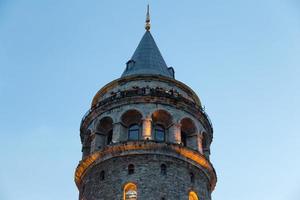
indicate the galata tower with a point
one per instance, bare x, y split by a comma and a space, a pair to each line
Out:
146, 136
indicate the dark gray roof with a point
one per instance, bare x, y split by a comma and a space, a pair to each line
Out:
147, 60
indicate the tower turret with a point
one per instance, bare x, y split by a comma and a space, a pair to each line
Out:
146, 136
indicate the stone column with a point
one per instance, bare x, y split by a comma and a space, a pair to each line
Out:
147, 128
86, 146
118, 131
175, 133
92, 139
199, 143
98, 142
205, 149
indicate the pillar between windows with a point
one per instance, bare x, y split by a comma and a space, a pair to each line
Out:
175, 133
147, 128
199, 143
98, 141
92, 138
117, 132
86, 146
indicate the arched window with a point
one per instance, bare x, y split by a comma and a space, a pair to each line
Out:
104, 132
161, 120
133, 132
130, 169
193, 196
130, 192
159, 132
183, 138
163, 169
109, 137
192, 176
131, 120
102, 175
189, 133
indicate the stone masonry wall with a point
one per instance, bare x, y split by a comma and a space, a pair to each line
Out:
151, 183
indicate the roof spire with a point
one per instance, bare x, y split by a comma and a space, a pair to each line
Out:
148, 25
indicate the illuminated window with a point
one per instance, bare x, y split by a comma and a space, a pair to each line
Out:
130, 192
130, 169
133, 132
159, 132
163, 169
193, 196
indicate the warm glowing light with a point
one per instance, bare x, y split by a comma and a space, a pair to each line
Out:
147, 128
199, 143
193, 196
136, 146
177, 132
130, 192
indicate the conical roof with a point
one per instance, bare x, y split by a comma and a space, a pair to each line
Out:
147, 60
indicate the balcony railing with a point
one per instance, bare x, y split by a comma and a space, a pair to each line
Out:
154, 92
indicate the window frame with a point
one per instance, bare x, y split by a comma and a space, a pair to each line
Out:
102, 175
131, 169
133, 129
158, 128
163, 169
130, 187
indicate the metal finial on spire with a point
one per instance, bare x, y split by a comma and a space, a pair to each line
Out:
148, 25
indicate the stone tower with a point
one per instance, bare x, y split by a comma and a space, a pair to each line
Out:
146, 136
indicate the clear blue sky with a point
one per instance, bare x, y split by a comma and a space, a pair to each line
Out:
241, 57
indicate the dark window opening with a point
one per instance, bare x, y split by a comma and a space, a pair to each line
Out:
102, 175
130, 64
109, 137
131, 169
183, 138
133, 132
192, 176
163, 169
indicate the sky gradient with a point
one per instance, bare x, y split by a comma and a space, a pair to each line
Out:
241, 57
